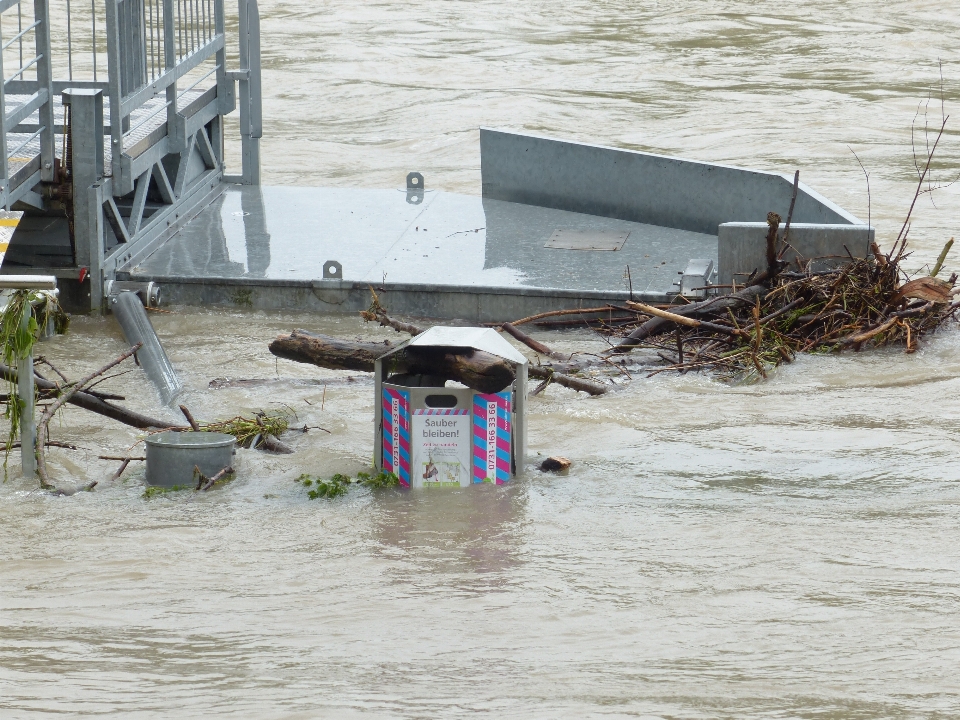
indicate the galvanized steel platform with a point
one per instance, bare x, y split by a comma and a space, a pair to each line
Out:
448, 255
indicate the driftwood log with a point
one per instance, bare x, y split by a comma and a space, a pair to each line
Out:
92, 403
474, 368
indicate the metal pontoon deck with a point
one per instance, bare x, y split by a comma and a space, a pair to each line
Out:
450, 255
120, 175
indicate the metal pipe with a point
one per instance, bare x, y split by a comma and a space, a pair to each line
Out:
69, 44
197, 82
23, 69
93, 15
28, 282
19, 35
20, 28
28, 399
137, 328
144, 119
27, 142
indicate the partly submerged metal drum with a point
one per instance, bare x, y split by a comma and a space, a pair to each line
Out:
172, 456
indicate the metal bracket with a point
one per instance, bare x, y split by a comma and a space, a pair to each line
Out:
149, 292
332, 270
414, 188
695, 278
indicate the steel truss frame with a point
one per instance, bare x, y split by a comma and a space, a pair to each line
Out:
129, 183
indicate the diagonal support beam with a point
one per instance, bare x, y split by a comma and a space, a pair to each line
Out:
163, 183
185, 156
139, 202
206, 149
112, 213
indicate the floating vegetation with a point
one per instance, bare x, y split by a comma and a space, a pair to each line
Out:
158, 491
252, 432
379, 481
339, 483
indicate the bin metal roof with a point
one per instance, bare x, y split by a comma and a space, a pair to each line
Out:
485, 339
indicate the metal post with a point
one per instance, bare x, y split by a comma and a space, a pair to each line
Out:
251, 115
4, 170
132, 49
225, 86
86, 130
25, 386
169, 62
45, 82
28, 428
116, 93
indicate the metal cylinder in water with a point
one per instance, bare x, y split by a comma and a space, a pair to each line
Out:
137, 328
172, 456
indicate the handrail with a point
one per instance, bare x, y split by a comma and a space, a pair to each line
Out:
24, 68
186, 90
144, 119
12, 153
134, 100
20, 34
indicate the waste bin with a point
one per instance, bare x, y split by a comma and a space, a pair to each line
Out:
436, 434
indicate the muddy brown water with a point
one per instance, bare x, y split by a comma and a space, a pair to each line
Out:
786, 549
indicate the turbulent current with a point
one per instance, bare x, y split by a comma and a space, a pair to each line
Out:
784, 549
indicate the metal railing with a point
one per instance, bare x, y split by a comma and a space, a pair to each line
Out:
152, 47
136, 92
24, 91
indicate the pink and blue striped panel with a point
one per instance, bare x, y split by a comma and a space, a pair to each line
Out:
491, 438
396, 434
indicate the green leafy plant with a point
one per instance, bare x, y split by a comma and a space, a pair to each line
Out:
334, 487
40, 309
339, 483
379, 481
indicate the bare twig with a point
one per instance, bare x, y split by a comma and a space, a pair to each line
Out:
41, 359
42, 427
189, 417
867, 176
793, 202
555, 313
204, 483
119, 472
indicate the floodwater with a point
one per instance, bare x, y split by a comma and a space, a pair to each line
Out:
785, 549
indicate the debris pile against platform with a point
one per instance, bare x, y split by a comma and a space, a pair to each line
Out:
783, 311
867, 302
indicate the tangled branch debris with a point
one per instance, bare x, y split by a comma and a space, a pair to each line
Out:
43, 425
259, 432
865, 302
